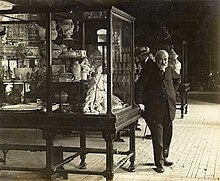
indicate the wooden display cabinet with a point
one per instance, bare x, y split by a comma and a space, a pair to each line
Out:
76, 75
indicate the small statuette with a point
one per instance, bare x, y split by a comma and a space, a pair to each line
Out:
54, 32
76, 70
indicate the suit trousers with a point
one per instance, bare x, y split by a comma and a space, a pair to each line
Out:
161, 132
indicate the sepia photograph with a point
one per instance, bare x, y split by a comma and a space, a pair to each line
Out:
109, 90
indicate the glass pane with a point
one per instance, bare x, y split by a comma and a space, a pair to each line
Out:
67, 57
96, 46
78, 63
23, 66
121, 57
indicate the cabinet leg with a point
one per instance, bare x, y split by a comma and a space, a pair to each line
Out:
132, 146
53, 156
118, 137
49, 175
186, 109
182, 115
109, 179
182, 105
186, 101
109, 138
49, 136
82, 164
182, 111
4, 159
58, 157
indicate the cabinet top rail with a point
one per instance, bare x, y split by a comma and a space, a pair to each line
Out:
76, 8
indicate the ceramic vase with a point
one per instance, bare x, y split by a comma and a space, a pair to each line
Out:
67, 28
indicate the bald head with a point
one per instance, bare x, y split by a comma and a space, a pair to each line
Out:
161, 58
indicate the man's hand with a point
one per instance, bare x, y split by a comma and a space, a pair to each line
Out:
142, 107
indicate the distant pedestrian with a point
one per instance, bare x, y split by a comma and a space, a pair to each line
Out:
142, 56
176, 65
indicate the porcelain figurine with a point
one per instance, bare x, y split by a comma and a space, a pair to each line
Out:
85, 69
69, 28
96, 98
54, 32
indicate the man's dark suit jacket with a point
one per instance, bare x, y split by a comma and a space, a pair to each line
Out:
155, 90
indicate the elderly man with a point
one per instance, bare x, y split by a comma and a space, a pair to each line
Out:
157, 100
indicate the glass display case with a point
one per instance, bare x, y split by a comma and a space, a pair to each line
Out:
67, 63
68, 71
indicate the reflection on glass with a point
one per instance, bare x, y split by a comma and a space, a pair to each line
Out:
74, 76
121, 53
22, 68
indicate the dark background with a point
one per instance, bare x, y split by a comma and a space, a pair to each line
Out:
196, 22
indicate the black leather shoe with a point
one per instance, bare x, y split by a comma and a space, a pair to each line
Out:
167, 163
159, 169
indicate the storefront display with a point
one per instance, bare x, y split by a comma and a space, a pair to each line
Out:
68, 71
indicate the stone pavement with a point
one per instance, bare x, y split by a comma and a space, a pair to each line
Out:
195, 150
